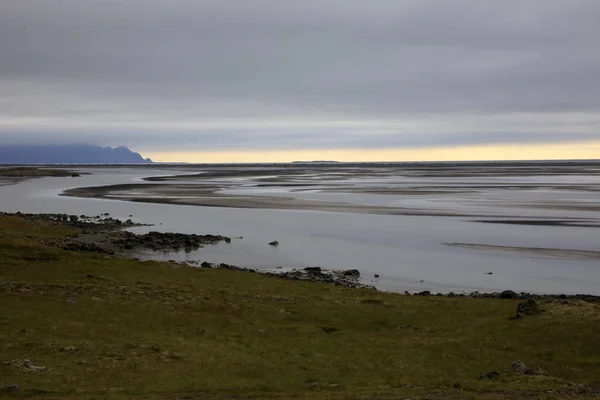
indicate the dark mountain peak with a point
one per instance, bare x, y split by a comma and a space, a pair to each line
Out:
69, 154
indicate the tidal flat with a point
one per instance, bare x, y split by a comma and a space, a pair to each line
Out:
389, 221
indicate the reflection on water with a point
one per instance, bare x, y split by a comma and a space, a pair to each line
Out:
403, 250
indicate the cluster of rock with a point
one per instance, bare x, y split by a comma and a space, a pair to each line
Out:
25, 365
347, 278
518, 367
98, 222
510, 294
87, 247
157, 241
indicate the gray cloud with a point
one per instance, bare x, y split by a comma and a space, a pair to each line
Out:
179, 75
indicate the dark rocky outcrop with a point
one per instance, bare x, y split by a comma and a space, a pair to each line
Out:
528, 308
490, 375
313, 269
353, 273
157, 241
520, 367
9, 388
509, 294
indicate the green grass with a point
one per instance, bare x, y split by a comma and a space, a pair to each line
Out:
156, 330
32, 172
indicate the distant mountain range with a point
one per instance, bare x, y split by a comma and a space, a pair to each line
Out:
69, 154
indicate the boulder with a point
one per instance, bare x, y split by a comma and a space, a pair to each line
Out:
490, 375
9, 388
313, 269
528, 308
274, 243
509, 294
353, 273
25, 365
519, 366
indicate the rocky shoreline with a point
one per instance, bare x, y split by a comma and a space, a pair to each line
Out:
106, 235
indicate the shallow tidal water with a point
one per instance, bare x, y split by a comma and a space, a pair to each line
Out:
407, 252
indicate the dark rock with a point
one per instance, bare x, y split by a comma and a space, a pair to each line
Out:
537, 371
490, 375
376, 276
166, 241
9, 388
274, 243
25, 365
528, 308
85, 247
509, 294
313, 269
519, 366
353, 273
489, 273
329, 329
206, 265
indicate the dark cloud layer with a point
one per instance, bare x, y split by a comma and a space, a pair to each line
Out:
181, 75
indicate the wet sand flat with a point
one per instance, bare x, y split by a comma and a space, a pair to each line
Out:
567, 254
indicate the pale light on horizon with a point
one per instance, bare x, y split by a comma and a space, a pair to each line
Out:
547, 151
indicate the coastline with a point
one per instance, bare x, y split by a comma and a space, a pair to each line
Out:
77, 323
107, 236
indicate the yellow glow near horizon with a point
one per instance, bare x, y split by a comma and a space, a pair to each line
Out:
548, 151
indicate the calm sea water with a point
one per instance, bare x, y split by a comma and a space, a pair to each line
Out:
406, 251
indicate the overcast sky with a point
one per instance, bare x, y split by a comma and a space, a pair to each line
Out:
242, 75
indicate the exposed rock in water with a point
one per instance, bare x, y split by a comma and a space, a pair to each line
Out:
166, 241
274, 243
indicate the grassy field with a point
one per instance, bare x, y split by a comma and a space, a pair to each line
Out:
115, 328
